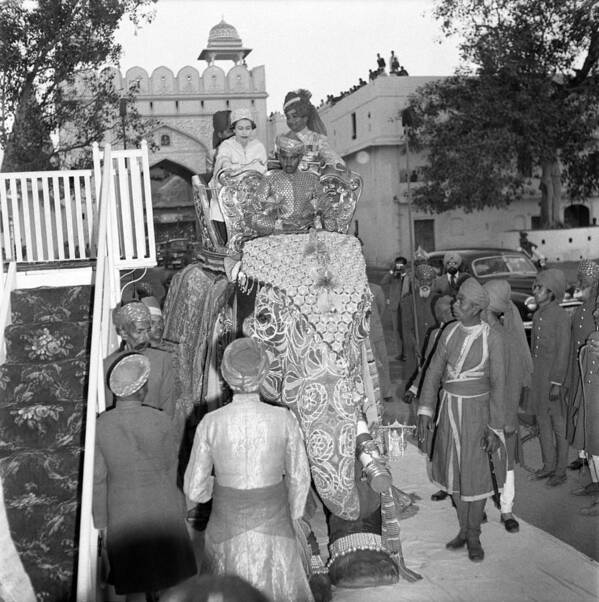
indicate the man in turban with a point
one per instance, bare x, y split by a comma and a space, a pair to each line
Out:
303, 120
287, 200
468, 368
260, 484
582, 326
550, 342
417, 315
503, 316
450, 281
136, 498
133, 324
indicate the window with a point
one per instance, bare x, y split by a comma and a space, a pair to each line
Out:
165, 140
354, 133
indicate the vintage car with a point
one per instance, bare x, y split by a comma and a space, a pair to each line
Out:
505, 264
177, 253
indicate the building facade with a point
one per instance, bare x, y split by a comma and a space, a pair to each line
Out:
365, 128
183, 105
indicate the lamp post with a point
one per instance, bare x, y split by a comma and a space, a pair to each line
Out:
407, 122
123, 114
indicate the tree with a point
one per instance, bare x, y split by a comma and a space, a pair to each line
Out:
527, 97
50, 49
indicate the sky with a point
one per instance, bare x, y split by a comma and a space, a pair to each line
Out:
321, 45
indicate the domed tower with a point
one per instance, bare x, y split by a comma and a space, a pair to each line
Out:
224, 44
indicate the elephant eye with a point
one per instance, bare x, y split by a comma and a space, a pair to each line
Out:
262, 317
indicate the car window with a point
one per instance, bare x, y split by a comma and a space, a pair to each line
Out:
503, 265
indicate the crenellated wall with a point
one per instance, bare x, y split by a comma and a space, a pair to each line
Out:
183, 104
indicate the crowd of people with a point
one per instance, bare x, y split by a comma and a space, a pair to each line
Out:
381, 69
474, 374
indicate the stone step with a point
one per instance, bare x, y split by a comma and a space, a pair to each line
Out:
24, 383
46, 341
51, 304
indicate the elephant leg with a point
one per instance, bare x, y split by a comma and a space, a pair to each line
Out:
357, 556
318, 575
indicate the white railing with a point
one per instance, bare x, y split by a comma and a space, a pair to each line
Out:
52, 216
47, 215
7, 285
103, 342
131, 221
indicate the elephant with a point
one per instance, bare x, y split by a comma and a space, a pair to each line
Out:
304, 294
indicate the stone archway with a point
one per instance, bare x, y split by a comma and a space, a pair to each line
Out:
577, 216
172, 201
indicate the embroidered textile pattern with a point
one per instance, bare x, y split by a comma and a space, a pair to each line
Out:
315, 356
282, 262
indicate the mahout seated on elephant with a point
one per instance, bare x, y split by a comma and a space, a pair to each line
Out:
301, 289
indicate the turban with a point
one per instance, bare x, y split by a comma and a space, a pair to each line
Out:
291, 145
500, 295
588, 273
152, 304
298, 100
128, 374
420, 255
452, 256
425, 273
475, 292
239, 114
244, 365
554, 280
135, 311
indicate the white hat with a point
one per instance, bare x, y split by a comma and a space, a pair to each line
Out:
239, 114
128, 374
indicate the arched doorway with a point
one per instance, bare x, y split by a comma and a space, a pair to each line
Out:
172, 201
577, 216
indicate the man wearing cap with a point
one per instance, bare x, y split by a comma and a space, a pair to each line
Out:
468, 367
135, 488
550, 342
303, 120
582, 326
503, 316
133, 324
250, 446
450, 281
156, 320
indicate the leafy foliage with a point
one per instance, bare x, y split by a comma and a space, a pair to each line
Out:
528, 95
45, 46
